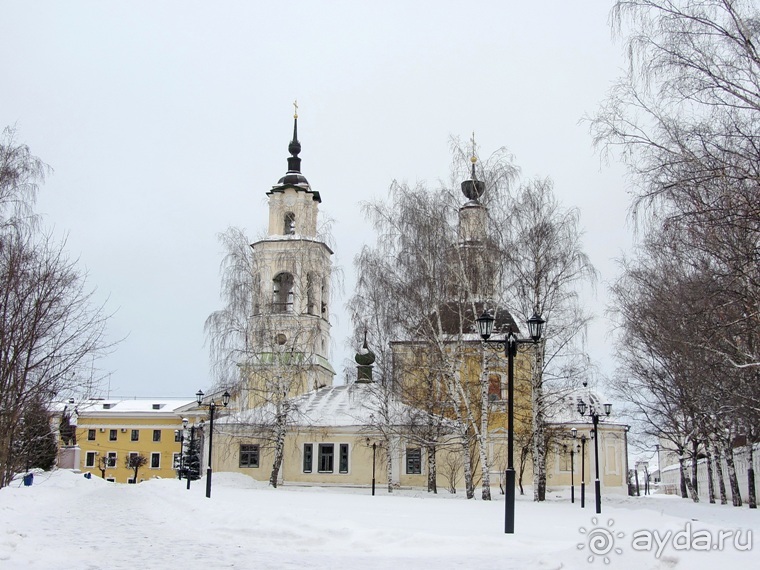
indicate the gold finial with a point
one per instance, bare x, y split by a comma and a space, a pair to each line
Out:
473, 159
295, 109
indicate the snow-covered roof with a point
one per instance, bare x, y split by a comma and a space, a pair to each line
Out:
357, 404
115, 406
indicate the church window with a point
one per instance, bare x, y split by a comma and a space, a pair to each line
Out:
308, 452
324, 297
494, 388
326, 457
310, 303
249, 455
282, 293
413, 461
343, 464
290, 223
564, 459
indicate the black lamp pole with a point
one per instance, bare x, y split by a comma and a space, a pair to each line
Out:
574, 431
374, 451
583, 471
212, 408
485, 328
594, 413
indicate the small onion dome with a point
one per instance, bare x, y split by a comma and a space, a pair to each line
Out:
365, 357
473, 189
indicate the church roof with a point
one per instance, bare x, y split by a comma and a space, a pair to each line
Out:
293, 177
357, 404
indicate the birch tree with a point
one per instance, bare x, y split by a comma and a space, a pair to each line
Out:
50, 329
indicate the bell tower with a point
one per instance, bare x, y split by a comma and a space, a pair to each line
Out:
292, 268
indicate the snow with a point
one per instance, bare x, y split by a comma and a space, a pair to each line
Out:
65, 521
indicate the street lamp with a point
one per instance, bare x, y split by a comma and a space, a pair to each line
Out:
594, 414
212, 408
574, 433
181, 445
535, 329
374, 447
583, 471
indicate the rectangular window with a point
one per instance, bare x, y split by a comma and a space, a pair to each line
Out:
112, 435
132, 454
413, 461
176, 458
308, 451
343, 462
155, 460
111, 461
249, 455
131, 481
326, 457
177, 435
90, 435
494, 388
135, 435
564, 460
89, 459
110, 479
156, 435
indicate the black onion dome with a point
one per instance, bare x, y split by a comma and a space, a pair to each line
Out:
365, 357
473, 189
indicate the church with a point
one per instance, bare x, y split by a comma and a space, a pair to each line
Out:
289, 424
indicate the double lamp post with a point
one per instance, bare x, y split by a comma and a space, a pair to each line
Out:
594, 413
535, 328
211, 408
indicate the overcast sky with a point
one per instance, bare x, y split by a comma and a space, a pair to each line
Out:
167, 122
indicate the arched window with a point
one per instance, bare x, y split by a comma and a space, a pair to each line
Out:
494, 388
290, 223
323, 296
311, 307
282, 293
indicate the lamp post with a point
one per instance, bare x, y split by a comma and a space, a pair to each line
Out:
574, 433
594, 414
211, 408
374, 446
583, 471
659, 465
535, 329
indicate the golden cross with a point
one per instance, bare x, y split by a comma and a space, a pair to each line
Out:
295, 107
473, 159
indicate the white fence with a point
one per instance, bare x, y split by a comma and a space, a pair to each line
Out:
671, 482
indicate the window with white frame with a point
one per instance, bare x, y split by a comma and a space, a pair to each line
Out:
155, 460
413, 461
112, 457
90, 435
112, 435
326, 457
89, 459
135, 436
176, 461
343, 458
249, 455
308, 457
156, 435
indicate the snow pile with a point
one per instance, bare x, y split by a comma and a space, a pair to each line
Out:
65, 521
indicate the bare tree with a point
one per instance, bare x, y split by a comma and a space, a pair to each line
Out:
135, 461
50, 331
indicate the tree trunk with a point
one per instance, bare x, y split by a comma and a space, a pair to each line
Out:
539, 429
469, 486
736, 497
721, 481
682, 475
485, 464
279, 447
710, 482
695, 466
432, 485
687, 481
752, 498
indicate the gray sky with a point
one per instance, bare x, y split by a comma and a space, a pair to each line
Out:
167, 122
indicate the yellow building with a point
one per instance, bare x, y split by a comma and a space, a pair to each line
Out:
108, 431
